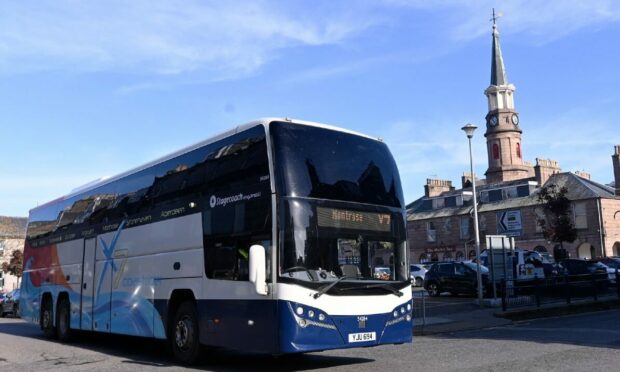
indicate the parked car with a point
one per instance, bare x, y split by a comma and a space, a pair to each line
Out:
585, 271
10, 305
613, 265
456, 278
417, 273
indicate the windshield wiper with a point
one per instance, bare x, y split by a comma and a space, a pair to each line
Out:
384, 286
322, 290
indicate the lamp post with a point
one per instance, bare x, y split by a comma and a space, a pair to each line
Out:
469, 131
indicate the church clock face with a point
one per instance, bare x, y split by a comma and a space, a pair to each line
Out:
493, 120
515, 119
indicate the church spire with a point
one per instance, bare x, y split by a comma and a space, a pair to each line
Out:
498, 73
503, 132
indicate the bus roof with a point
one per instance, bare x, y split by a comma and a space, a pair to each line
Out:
262, 121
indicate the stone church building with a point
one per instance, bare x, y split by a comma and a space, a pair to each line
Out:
440, 223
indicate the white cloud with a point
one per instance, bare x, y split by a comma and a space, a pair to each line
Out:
543, 21
223, 39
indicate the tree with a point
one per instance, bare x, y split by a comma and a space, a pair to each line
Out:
555, 219
15, 266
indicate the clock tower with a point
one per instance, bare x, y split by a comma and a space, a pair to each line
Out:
503, 132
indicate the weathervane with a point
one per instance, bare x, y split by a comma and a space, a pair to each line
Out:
495, 17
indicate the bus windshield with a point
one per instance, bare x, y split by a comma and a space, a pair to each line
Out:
325, 241
327, 164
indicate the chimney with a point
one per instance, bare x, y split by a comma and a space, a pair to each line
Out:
584, 174
435, 187
544, 169
615, 158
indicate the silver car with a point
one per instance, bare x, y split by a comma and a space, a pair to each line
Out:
417, 272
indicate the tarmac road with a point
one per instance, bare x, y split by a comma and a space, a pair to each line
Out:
585, 342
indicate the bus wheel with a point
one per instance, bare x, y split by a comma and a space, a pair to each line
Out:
63, 330
47, 319
184, 334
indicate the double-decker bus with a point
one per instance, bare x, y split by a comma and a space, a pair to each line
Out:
278, 236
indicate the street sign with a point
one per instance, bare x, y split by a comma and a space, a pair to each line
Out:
509, 223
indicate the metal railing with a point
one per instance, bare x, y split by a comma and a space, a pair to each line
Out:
561, 289
419, 308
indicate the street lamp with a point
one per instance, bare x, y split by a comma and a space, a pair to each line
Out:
469, 131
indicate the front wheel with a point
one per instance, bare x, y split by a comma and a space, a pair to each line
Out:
184, 334
433, 289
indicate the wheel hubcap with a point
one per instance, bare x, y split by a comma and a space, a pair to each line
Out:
184, 333
46, 318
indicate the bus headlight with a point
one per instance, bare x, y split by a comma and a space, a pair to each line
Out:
395, 313
311, 313
408, 307
299, 310
321, 317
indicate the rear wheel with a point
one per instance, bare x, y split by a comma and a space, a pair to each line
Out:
433, 289
63, 330
47, 318
184, 334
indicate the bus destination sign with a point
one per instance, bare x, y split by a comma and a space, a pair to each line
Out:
354, 220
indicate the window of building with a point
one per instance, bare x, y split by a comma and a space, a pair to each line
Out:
438, 203
447, 225
518, 150
464, 227
579, 210
495, 151
484, 197
460, 256
431, 232
482, 222
509, 192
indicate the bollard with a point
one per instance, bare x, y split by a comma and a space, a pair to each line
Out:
537, 290
593, 278
567, 288
503, 294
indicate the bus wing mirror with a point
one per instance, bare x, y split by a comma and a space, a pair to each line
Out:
257, 268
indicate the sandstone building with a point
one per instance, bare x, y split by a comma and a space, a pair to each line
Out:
440, 223
12, 235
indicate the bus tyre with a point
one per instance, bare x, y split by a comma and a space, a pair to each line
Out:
63, 321
47, 319
184, 334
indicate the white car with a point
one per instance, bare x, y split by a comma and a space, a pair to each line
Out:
417, 272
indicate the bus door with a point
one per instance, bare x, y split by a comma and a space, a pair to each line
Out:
87, 289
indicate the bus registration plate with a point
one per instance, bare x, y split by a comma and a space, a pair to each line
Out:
362, 337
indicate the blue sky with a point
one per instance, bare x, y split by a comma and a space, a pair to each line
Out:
91, 89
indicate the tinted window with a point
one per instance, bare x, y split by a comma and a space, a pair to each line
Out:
327, 164
446, 269
164, 190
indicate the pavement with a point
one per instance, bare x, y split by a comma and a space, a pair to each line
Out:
461, 321
453, 314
